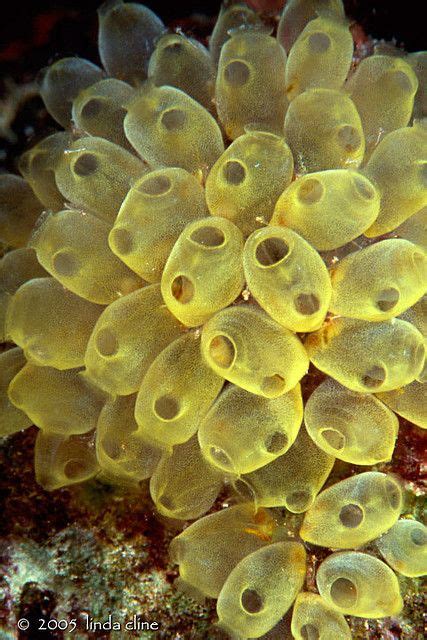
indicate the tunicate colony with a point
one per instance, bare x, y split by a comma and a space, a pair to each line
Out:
209, 223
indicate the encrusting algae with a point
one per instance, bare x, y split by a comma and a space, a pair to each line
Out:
210, 222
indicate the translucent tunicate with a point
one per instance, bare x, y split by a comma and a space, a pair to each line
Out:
324, 131
95, 175
409, 401
19, 210
121, 453
12, 419
61, 459
255, 595
186, 64
210, 548
232, 19
383, 90
38, 166
152, 216
354, 427
56, 401
176, 393
404, 548
61, 83
184, 486
358, 584
168, 128
243, 431
298, 13
397, 167
129, 334
246, 347
99, 111
418, 62
73, 246
39, 317
203, 273
315, 619
368, 356
245, 95
320, 57
246, 181
292, 480
17, 267
126, 38
397, 279
417, 315
414, 228
287, 277
328, 208
353, 511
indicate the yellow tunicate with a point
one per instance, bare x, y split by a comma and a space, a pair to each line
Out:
204, 272
298, 13
397, 167
246, 347
61, 460
383, 89
184, 486
17, 267
324, 131
380, 281
328, 208
255, 595
287, 277
121, 453
62, 81
314, 619
127, 35
231, 20
73, 247
368, 356
410, 402
56, 401
4, 303
129, 334
152, 216
245, 182
404, 548
19, 210
245, 95
176, 393
320, 57
418, 62
51, 324
184, 63
353, 512
354, 427
99, 111
95, 175
38, 165
243, 431
417, 315
358, 584
168, 128
414, 228
12, 419
292, 480
209, 549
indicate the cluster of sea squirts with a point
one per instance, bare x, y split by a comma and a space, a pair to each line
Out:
209, 222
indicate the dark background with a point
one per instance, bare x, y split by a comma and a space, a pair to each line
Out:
35, 33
